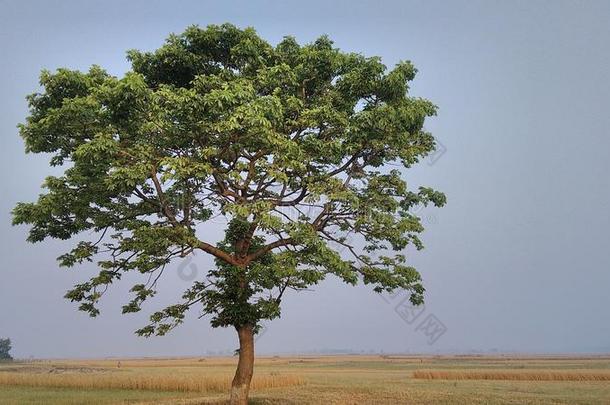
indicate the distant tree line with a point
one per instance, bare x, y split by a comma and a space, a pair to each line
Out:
5, 348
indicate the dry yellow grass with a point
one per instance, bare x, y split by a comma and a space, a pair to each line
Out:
190, 383
535, 375
313, 380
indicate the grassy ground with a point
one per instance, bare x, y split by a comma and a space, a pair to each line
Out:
309, 380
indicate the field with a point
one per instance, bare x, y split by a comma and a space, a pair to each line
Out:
313, 380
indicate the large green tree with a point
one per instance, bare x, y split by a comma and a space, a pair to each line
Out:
296, 146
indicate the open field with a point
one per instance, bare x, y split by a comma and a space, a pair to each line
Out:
314, 380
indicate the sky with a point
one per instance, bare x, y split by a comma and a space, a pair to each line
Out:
518, 260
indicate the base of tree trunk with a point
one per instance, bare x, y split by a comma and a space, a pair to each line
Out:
240, 388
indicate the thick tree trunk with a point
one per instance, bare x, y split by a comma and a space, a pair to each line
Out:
245, 367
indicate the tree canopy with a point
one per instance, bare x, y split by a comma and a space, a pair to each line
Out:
301, 148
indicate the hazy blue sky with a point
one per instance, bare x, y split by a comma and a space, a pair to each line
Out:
517, 261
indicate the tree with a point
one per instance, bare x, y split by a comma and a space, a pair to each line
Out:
296, 146
5, 348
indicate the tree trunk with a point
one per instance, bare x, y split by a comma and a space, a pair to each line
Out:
245, 367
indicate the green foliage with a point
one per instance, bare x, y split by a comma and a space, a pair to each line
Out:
291, 144
5, 348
